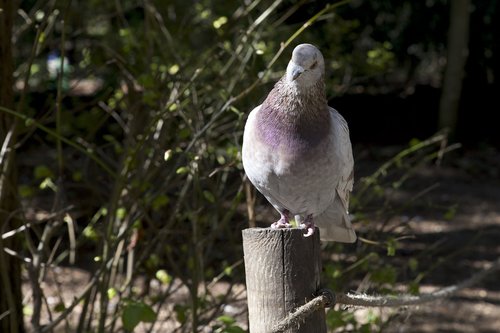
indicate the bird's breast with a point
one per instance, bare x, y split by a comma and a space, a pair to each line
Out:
293, 139
291, 165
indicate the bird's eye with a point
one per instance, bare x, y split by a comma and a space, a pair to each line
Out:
313, 66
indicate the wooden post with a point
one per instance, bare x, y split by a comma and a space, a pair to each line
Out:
282, 273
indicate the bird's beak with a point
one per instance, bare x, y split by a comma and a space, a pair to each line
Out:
296, 71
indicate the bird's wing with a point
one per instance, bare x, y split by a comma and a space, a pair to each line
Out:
334, 221
345, 159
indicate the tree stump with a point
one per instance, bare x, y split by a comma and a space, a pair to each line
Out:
282, 273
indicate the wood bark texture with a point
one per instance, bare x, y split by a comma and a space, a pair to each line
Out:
282, 273
458, 41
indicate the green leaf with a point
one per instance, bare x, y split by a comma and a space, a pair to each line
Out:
111, 293
209, 196
153, 261
42, 171
29, 121
163, 276
386, 274
336, 319
219, 22
413, 264
160, 201
226, 320
414, 142
221, 159
228, 325
228, 270
260, 47
181, 313
124, 32
182, 170
392, 244
59, 307
90, 232
136, 312
48, 183
365, 328
414, 288
233, 329
371, 317
28, 310
174, 69
26, 191
451, 212
41, 38
77, 176
184, 133
168, 153
120, 213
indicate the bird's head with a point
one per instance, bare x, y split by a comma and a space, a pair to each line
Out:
306, 67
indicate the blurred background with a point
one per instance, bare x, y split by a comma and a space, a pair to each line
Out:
122, 194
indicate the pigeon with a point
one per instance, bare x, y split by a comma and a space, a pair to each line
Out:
297, 151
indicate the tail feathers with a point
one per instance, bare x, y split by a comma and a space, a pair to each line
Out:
335, 225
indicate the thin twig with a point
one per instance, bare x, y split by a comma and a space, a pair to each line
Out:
60, 159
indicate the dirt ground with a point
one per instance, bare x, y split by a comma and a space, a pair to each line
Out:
468, 238
460, 216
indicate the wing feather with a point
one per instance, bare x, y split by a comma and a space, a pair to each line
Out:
346, 161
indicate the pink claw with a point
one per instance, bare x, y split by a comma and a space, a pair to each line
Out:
309, 225
310, 232
283, 222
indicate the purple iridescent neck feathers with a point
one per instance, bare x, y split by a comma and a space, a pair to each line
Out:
294, 119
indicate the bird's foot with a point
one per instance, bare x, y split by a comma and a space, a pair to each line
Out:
283, 222
309, 226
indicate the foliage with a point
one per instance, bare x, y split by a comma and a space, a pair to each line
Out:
154, 150
135, 312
